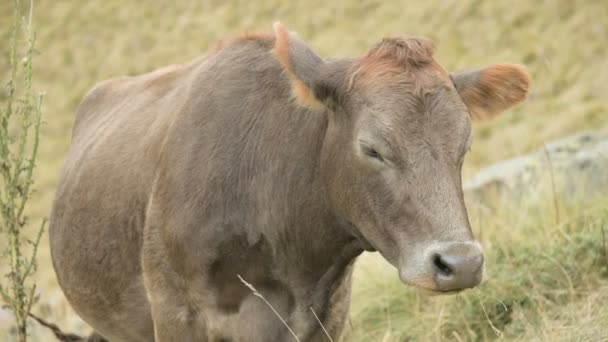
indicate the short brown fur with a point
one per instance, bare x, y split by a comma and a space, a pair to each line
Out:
245, 36
394, 56
303, 94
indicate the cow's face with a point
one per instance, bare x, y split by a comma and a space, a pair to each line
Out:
398, 132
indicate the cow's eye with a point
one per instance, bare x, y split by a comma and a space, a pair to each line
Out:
371, 152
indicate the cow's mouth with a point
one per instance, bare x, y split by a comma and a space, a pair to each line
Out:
427, 287
436, 292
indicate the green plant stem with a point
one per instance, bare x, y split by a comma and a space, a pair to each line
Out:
18, 152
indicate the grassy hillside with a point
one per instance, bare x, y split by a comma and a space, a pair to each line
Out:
548, 275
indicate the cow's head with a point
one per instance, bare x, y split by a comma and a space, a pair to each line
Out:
398, 131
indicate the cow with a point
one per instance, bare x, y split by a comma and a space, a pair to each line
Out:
264, 162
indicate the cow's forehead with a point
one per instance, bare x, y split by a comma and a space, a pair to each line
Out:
402, 110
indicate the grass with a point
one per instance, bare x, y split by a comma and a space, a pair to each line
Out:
546, 273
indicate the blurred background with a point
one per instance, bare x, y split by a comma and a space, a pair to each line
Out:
545, 241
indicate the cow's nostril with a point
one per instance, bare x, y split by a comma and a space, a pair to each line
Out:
443, 268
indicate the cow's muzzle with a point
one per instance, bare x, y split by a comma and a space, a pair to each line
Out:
446, 267
456, 266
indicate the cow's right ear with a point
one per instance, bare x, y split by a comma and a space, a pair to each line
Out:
304, 68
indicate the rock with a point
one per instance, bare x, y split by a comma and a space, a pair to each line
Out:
576, 167
5, 317
6, 323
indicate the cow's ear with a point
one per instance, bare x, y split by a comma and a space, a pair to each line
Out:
489, 91
304, 68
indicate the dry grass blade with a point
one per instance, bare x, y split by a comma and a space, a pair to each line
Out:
553, 190
604, 244
258, 294
494, 328
321, 324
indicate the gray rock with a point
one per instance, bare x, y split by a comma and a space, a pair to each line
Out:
575, 167
5, 317
6, 323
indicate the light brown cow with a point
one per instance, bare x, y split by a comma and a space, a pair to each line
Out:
266, 161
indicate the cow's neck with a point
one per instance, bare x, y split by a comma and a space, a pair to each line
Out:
321, 245
296, 241
313, 295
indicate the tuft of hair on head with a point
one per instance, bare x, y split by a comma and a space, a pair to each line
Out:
499, 87
393, 56
409, 52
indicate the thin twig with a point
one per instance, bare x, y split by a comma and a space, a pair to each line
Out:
59, 334
321, 324
32, 262
257, 294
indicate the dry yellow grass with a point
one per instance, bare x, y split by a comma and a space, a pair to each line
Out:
562, 42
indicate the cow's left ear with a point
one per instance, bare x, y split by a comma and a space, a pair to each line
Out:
304, 68
489, 91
